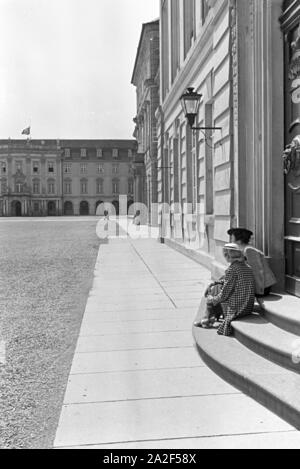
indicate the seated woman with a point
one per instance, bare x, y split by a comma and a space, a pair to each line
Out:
264, 277
237, 294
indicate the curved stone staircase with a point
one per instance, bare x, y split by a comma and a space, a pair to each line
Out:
262, 359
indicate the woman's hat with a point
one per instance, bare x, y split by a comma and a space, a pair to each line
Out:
239, 231
232, 247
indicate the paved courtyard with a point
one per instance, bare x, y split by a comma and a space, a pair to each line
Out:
46, 270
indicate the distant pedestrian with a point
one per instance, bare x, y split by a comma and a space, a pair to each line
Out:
137, 218
264, 277
106, 220
237, 294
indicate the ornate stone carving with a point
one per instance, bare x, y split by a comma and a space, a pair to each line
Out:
291, 158
294, 71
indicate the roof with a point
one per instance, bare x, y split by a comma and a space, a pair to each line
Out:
145, 26
74, 143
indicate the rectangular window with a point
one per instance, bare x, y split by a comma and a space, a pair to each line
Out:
3, 186
83, 152
175, 44
99, 187
35, 168
189, 24
115, 169
50, 167
115, 153
130, 187
99, 153
68, 187
205, 9
115, 187
100, 168
67, 153
83, 168
165, 48
3, 168
51, 188
19, 188
209, 169
36, 187
84, 187
19, 166
67, 168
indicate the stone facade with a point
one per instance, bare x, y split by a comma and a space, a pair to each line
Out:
66, 177
234, 53
195, 168
145, 79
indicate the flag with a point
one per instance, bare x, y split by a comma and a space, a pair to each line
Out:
26, 131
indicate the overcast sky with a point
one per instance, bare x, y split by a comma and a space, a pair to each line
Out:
66, 66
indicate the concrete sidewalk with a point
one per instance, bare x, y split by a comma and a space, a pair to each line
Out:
136, 379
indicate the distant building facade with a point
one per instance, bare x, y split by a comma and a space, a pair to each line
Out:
146, 80
31, 178
65, 177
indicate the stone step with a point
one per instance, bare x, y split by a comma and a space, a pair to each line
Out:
272, 385
283, 311
269, 341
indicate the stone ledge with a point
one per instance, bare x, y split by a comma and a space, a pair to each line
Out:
217, 269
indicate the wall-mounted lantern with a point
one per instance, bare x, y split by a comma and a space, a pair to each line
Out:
190, 102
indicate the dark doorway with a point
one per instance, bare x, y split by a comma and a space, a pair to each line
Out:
68, 209
129, 203
99, 209
36, 209
51, 209
116, 205
84, 208
16, 208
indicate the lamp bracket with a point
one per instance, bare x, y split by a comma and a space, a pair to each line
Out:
206, 128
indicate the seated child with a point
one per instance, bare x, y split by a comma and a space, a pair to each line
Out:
235, 296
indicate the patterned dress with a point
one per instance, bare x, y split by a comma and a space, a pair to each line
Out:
237, 295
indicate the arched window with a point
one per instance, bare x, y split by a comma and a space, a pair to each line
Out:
68, 186
84, 186
99, 186
36, 187
130, 186
51, 186
3, 187
115, 186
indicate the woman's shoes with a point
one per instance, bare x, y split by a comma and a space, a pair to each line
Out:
205, 323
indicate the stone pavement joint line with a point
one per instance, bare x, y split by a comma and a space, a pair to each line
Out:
137, 380
147, 267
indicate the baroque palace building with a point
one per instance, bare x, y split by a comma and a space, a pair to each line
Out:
145, 78
243, 57
65, 177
